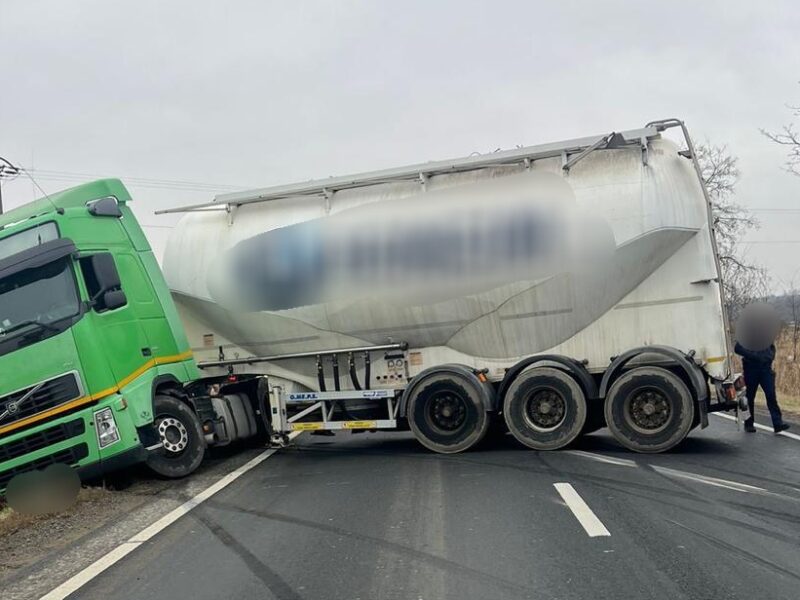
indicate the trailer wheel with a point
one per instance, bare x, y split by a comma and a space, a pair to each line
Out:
649, 409
447, 412
182, 436
544, 408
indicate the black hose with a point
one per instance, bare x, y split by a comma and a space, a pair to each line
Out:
340, 404
353, 375
366, 370
320, 374
336, 383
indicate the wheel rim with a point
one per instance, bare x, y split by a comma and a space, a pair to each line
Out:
545, 410
648, 410
446, 411
173, 434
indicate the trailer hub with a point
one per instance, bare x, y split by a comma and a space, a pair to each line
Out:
447, 411
648, 411
545, 409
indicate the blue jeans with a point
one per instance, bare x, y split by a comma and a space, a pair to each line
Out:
764, 376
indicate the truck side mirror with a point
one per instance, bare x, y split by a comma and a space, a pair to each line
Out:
105, 271
102, 282
114, 299
104, 207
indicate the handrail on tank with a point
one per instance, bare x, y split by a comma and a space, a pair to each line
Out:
276, 357
661, 125
603, 142
574, 149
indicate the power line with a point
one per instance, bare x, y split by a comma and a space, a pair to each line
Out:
10, 171
142, 185
7, 171
135, 183
52, 172
147, 182
145, 179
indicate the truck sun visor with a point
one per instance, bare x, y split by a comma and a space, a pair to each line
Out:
37, 256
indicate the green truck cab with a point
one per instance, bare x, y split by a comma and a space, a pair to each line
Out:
95, 367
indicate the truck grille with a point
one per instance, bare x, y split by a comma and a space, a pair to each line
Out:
48, 394
41, 439
69, 456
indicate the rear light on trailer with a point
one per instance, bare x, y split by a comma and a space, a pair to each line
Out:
738, 383
732, 389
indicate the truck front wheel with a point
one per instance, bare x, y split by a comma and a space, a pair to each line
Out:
181, 435
544, 408
649, 409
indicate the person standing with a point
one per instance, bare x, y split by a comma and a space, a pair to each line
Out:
758, 372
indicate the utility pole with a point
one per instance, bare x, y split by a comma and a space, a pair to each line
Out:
7, 171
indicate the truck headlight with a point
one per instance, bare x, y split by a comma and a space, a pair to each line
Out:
106, 426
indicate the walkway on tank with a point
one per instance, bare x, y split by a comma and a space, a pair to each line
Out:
377, 516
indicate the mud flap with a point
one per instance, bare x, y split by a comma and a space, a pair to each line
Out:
703, 406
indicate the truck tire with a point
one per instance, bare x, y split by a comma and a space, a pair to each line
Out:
649, 409
447, 412
182, 435
544, 408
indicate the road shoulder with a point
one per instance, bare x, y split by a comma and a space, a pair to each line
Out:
45, 552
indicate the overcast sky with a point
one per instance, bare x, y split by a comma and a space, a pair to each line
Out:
258, 93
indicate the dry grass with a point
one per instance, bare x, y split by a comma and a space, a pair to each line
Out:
11, 521
787, 376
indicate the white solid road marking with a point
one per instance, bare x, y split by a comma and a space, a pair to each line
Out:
593, 526
715, 481
623, 462
788, 434
77, 581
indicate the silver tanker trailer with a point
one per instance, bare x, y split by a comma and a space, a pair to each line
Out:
550, 290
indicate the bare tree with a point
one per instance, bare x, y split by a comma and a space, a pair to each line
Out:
792, 296
789, 137
743, 280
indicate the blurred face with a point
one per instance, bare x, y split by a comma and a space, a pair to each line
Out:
757, 326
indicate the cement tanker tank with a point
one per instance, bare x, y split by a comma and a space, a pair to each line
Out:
554, 288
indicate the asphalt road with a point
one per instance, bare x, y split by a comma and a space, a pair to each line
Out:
376, 516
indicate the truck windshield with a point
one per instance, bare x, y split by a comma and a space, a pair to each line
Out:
35, 236
36, 303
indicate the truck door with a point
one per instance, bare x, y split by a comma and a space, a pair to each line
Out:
117, 326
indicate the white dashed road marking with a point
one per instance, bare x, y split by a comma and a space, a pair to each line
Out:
593, 526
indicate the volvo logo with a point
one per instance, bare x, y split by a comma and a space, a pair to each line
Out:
12, 407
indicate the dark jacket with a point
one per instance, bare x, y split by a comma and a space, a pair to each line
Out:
756, 358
